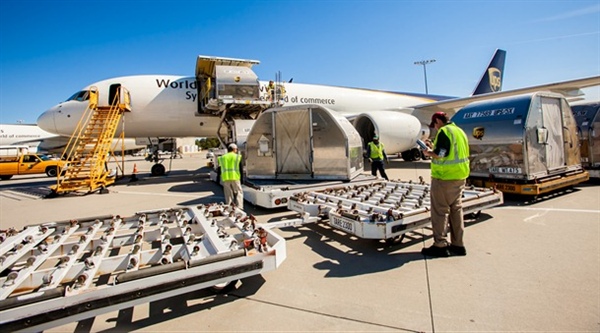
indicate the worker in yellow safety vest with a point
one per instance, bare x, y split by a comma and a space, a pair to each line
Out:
376, 155
449, 154
231, 176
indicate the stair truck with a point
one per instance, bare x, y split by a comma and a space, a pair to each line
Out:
587, 116
525, 144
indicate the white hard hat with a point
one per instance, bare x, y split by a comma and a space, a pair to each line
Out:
233, 146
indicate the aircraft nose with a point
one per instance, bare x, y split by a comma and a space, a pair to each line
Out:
46, 121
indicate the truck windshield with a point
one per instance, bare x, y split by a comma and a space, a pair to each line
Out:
80, 96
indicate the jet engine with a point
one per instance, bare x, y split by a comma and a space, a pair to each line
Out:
397, 131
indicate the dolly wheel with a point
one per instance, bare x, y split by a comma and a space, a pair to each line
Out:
225, 287
475, 215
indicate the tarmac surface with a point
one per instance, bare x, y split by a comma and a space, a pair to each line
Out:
532, 265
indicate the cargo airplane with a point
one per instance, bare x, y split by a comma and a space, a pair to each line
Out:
170, 106
41, 141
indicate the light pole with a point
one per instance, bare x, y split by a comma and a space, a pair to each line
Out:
424, 64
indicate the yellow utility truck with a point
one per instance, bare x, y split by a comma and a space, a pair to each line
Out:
16, 160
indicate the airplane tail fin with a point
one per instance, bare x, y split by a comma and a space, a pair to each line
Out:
491, 81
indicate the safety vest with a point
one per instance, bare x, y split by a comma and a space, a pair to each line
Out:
230, 166
376, 151
455, 165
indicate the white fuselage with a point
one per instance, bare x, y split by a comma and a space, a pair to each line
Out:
38, 139
23, 134
167, 106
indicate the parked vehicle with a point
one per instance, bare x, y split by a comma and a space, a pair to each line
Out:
25, 163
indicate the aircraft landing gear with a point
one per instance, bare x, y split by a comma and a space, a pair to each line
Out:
157, 170
412, 155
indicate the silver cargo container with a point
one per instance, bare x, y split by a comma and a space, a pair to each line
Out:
521, 138
587, 116
303, 142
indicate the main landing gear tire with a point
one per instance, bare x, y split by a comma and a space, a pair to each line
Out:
411, 155
416, 154
157, 170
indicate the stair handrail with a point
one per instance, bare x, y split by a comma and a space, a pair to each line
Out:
71, 146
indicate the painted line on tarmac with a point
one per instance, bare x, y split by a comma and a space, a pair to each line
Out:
591, 211
160, 194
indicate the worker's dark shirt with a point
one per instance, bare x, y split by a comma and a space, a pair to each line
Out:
442, 145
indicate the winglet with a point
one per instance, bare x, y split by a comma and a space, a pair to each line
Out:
491, 81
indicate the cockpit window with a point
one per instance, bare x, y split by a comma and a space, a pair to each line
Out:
80, 96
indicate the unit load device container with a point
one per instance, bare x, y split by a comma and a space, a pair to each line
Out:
587, 116
525, 144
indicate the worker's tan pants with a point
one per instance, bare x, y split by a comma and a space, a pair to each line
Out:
446, 199
234, 193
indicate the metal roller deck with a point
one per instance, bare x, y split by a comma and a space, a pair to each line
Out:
55, 273
383, 209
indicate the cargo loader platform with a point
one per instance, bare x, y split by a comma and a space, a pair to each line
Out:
383, 210
60, 272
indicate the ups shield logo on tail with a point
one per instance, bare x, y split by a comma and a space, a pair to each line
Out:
478, 132
494, 75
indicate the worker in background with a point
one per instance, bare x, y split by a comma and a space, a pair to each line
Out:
231, 175
449, 169
376, 155
271, 91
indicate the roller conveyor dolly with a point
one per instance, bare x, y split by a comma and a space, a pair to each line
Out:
60, 272
383, 210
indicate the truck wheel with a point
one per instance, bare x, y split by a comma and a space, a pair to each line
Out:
406, 156
51, 172
7, 177
157, 170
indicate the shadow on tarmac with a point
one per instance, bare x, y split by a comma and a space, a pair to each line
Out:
515, 200
364, 255
178, 306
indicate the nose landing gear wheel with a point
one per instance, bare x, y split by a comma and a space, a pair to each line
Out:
157, 170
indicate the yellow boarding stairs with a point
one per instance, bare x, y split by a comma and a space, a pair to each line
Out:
88, 150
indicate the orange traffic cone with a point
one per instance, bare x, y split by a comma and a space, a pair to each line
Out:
134, 173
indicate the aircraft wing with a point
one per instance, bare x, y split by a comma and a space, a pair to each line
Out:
570, 89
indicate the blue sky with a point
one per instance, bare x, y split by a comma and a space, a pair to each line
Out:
51, 49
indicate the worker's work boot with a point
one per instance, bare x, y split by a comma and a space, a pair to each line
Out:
456, 250
436, 251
